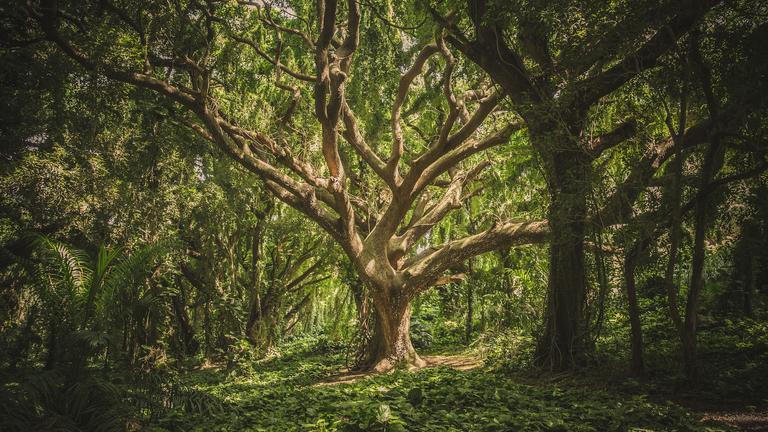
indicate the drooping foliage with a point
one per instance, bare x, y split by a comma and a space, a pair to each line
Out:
568, 186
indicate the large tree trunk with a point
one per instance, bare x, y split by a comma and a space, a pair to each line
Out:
391, 345
262, 328
563, 344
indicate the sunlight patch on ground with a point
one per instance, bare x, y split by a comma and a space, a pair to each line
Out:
458, 362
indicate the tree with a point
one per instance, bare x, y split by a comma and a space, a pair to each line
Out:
347, 161
557, 82
377, 208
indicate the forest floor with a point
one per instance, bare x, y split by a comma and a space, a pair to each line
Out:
460, 362
742, 417
312, 391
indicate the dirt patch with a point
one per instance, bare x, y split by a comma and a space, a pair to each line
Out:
741, 420
741, 415
458, 362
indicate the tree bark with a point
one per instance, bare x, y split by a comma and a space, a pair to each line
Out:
675, 235
391, 345
363, 316
257, 238
694, 293
563, 343
748, 288
602, 294
713, 162
470, 313
630, 264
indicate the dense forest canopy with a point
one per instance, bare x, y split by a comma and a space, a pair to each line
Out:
558, 185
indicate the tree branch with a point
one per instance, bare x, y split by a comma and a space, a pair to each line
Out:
427, 267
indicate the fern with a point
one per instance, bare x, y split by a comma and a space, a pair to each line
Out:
46, 402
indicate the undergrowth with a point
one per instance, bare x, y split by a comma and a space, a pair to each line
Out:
282, 394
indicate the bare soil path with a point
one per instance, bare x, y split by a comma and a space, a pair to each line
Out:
741, 420
740, 416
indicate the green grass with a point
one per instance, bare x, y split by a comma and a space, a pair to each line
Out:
281, 395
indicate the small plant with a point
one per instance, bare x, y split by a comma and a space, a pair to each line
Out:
46, 401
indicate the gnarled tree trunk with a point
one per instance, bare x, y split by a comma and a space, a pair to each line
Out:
390, 346
363, 316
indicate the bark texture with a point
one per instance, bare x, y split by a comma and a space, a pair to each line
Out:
391, 345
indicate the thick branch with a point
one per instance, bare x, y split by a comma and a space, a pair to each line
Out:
427, 267
451, 200
619, 205
645, 57
613, 138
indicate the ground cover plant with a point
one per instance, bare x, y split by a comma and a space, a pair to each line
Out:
383, 215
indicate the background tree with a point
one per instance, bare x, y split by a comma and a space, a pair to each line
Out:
559, 83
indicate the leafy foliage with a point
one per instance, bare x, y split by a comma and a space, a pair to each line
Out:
45, 401
156, 276
283, 394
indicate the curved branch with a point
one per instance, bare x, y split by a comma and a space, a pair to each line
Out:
645, 57
298, 75
406, 80
427, 267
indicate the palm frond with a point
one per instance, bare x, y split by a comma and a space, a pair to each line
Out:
125, 275
104, 259
67, 267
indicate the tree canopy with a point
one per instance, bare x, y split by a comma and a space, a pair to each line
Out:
209, 178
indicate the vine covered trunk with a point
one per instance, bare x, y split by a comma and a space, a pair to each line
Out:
563, 344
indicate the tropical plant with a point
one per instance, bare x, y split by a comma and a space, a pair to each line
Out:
86, 299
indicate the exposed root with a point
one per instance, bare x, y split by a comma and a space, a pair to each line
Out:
461, 363
414, 362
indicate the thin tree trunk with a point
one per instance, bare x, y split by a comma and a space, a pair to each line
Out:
255, 307
692, 306
630, 264
207, 328
675, 233
749, 287
602, 294
745, 264
470, 313
670, 287
507, 287
713, 161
